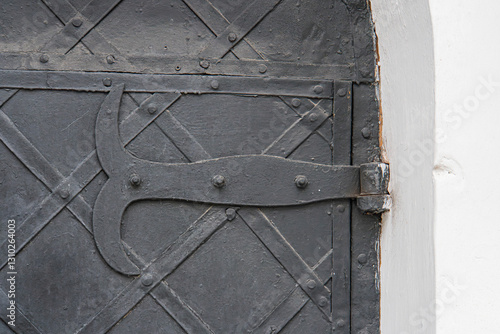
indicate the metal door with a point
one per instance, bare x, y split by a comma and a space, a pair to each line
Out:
189, 166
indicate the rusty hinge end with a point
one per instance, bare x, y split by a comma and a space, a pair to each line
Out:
374, 182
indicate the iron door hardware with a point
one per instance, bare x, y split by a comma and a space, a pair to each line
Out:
243, 180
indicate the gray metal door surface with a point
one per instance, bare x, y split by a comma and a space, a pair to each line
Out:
189, 166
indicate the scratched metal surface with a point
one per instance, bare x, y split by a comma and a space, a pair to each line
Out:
183, 236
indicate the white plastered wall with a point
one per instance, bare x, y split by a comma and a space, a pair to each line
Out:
407, 276
440, 93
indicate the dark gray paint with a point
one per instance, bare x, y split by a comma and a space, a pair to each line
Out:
277, 97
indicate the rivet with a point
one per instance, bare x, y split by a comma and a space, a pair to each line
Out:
230, 214
342, 92
296, 103
147, 279
232, 37
204, 64
178, 68
366, 133
313, 117
311, 284
262, 68
64, 193
301, 181
44, 59
362, 259
135, 180
323, 302
110, 59
318, 89
152, 108
77, 23
340, 208
107, 82
366, 73
219, 181
214, 84
341, 323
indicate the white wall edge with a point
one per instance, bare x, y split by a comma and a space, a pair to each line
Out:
407, 267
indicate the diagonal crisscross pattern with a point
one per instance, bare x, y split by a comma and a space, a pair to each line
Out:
65, 192
136, 123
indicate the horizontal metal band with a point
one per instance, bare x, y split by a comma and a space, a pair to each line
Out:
169, 65
254, 180
186, 84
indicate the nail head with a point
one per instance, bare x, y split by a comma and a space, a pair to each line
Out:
44, 59
313, 117
219, 181
205, 64
135, 180
152, 108
214, 84
362, 258
311, 284
77, 23
107, 82
323, 302
232, 37
230, 214
147, 279
366, 133
296, 103
318, 89
301, 181
64, 193
342, 92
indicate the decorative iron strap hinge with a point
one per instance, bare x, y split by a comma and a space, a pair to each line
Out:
245, 180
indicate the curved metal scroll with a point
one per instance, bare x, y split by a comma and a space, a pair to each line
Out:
239, 180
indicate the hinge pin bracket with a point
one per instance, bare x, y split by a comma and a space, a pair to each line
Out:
374, 182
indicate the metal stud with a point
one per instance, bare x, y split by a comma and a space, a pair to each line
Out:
342, 92
44, 59
219, 181
340, 208
178, 68
323, 302
262, 68
311, 284
107, 82
214, 84
301, 181
366, 133
296, 103
147, 280
135, 180
340, 323
366, 73
152, 108
110, 59
232, 37
362, 258
230, 214
318, 89
313, 117
205, 64
77, 23
64, 193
